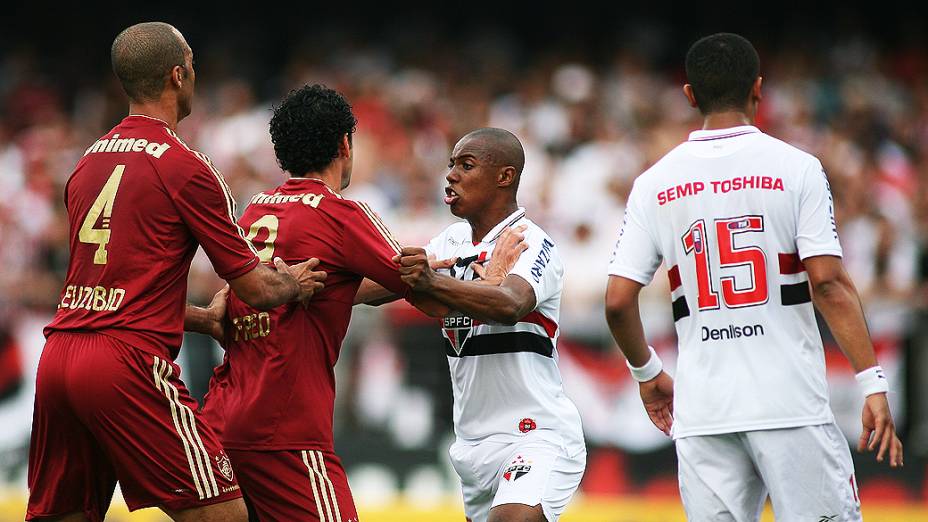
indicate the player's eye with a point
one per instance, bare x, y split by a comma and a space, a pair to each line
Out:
468, 166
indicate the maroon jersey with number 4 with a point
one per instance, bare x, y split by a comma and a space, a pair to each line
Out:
139, 202
276, 390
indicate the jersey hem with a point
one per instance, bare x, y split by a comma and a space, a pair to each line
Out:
247, 267
758, 426
637, 277
282, 446
821, 252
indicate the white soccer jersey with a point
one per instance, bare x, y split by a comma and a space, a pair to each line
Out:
505, 378
732, 212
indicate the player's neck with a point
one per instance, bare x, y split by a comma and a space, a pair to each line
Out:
483, 223
331, 178
157, 110
726, 120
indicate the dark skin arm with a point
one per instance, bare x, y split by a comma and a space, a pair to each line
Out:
506, 303
265, 288
835, 297
624, 320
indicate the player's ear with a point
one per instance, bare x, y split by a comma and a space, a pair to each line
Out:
344, 147
688, 91
178, 75
506, 176
755, 90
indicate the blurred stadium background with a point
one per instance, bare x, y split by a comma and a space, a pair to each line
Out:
594, 94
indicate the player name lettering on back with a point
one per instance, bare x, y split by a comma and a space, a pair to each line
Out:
724, 186
542, 260
95, 298
117, 144
731, 332
252, 326
307, 198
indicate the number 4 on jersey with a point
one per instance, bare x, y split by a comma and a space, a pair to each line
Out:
88, 232
695, 241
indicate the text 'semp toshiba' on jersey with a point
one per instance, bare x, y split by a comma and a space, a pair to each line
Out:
505, 379
733, 213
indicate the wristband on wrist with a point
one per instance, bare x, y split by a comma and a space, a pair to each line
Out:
872, 380
650, 370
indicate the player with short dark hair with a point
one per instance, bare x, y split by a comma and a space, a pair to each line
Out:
110, 405
273, 398
519, 451
746, 228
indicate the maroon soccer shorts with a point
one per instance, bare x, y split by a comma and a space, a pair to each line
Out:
295, 485
105, 411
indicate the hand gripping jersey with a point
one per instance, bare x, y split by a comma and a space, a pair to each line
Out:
733, 213
277, 386
505, 379
139, 202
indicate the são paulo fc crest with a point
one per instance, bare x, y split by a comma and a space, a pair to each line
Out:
225, 467
517, 469
457, 329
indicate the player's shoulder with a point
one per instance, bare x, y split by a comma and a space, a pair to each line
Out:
179, 153
667, 165
789, 154
459, 231
533, 232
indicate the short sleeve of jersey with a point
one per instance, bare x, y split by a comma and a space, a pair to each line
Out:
816, 231
206, 206
370, 249
540, 265
636, 255
435, 243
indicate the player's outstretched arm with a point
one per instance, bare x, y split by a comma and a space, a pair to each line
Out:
209, 320
264, 288
654, 385
836, 299
505, 303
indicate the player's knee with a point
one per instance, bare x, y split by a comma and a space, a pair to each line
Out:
229, 511
517, 513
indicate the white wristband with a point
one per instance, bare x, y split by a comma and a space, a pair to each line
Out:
650, 370
872, 380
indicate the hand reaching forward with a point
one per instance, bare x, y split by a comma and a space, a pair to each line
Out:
509, 247
657, 397
310, 281
879, 430
216, 311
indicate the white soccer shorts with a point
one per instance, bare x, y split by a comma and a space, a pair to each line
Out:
530, 471
807, 471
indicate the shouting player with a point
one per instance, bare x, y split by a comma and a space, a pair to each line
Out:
109, 403
746, 227
519, 450
274, 395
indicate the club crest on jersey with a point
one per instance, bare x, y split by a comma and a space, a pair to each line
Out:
517, 469
457, 329
225, 466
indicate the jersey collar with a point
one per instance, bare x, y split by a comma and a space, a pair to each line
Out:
144, 117
503, 225
721, 134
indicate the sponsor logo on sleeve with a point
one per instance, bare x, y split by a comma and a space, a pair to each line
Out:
544, 257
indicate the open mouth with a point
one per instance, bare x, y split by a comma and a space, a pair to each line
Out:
451, 197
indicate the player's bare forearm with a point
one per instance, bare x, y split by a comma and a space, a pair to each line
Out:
198, 320
625, 320
836, 299
506, 303
373, 294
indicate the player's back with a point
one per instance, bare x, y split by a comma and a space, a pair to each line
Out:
278, 386
139, 202
731, 213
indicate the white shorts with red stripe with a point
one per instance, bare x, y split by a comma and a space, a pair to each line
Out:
807, 472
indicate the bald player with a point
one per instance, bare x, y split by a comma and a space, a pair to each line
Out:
519, 450
110, 405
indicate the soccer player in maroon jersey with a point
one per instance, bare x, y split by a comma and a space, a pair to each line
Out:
110, 404
273, 397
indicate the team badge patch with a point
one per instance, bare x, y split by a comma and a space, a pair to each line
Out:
457, 329
225, 466
519, 468
526, 425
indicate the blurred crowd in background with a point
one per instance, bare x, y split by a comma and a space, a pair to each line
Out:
589, 125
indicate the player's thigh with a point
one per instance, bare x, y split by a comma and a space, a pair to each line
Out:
477, 466
80, 486
295, 485
144, 419
227, 511
538, 477
717, 479
808, 471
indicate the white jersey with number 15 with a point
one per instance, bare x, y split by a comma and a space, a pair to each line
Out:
732, 213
